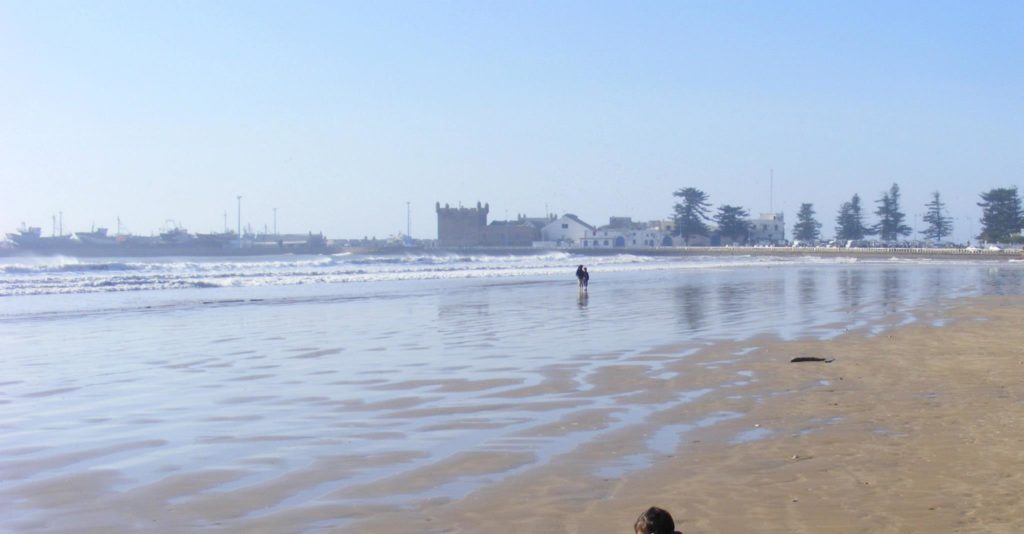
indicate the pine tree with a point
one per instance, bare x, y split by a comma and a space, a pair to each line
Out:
1001, 214
732, 223
691, 212
850, 222
806, 228
890, 219
939, 224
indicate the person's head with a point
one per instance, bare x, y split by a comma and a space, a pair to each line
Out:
655, 520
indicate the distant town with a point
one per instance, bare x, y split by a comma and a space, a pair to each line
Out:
459, 227
468, 227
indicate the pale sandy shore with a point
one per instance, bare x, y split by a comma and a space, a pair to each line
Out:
916, 430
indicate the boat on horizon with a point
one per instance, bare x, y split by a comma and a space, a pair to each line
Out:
96, 237
174, 241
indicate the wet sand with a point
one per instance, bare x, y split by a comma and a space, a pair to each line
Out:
916, 430
911, 428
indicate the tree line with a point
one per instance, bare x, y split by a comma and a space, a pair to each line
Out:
1001, 222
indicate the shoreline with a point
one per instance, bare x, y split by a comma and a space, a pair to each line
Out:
916, 429
823, 252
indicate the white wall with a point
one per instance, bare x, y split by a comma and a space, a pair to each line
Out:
564, 229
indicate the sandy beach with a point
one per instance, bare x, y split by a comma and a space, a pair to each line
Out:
916, 430
516, 404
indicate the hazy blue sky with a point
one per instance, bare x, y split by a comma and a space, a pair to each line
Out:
338, 113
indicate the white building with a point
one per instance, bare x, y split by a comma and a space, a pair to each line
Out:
769, 228
604, 238
565, 231
611, 238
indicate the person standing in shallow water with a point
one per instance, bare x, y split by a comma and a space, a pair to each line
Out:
579, 275
586, 278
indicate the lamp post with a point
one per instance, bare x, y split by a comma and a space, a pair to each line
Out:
239, 221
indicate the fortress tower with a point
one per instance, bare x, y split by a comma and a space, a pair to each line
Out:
461, 227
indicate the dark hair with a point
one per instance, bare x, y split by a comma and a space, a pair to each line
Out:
655, 520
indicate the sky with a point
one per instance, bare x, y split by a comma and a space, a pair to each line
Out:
347, 116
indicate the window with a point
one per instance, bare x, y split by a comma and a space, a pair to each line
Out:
565, 226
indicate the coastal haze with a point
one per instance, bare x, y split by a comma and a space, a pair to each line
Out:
339, 114
301, 378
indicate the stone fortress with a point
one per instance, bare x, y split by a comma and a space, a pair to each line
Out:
468, 227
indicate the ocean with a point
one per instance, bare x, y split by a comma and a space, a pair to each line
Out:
235, 390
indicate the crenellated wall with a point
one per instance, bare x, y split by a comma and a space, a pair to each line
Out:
461, 227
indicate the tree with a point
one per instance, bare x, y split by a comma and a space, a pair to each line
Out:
806, 228
850, 222
691, 212
890, 219
939, 224
1001, 214
732, 223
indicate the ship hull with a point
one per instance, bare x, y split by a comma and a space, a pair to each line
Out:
142, 251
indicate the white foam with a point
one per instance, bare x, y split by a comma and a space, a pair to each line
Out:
63, 275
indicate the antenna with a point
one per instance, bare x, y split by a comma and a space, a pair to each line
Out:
239, 221
771, 191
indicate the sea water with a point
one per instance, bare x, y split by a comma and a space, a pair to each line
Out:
122, 374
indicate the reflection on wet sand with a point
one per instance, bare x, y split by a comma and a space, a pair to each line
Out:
733, 299
808, 289
891, 288
690, 301
937, 284
284, 415
851, 287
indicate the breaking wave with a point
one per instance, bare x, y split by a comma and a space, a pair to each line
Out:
64, 275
